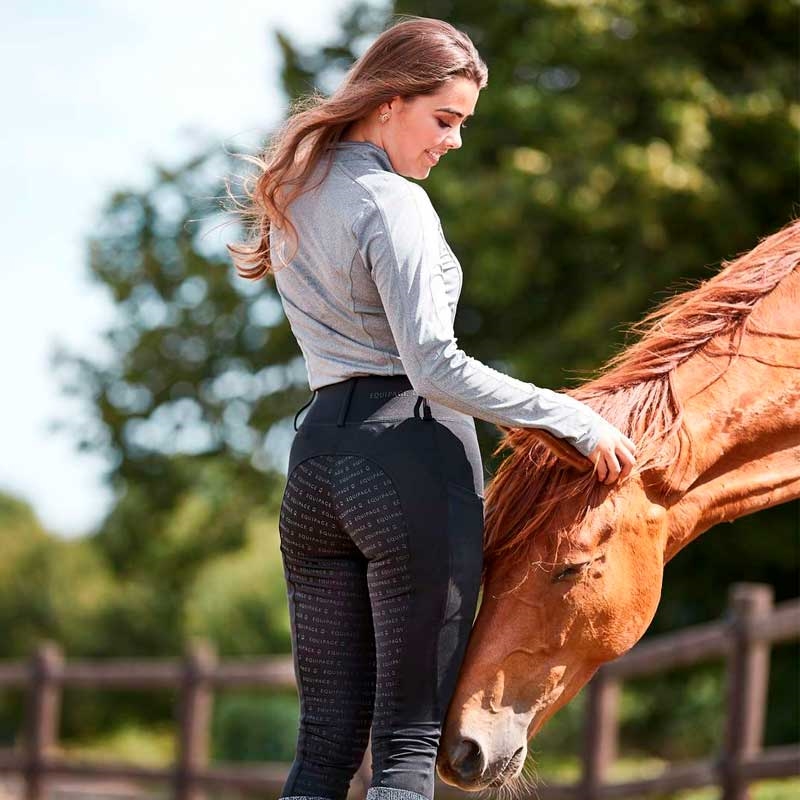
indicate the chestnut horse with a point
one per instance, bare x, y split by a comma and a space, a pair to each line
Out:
710, 392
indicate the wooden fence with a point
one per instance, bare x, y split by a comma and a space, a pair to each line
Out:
743, 638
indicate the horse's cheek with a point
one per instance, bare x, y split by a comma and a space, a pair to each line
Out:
632, 594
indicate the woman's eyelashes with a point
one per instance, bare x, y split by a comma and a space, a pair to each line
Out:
443, 124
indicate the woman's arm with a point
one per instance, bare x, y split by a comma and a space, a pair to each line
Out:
398, 237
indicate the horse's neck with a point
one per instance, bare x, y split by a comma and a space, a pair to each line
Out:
745, 426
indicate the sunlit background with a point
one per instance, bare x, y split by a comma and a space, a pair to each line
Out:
94, 94
620, 150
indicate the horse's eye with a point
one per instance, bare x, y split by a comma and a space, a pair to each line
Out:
569, 571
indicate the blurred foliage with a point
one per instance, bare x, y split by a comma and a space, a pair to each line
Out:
255, 727
761, 548
671, 705
49, 587
239, 600
621, 149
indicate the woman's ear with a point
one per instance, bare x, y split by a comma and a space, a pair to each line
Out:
395, 104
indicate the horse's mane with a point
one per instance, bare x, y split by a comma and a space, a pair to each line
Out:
634, 390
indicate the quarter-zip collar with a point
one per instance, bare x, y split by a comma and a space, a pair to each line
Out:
363, 151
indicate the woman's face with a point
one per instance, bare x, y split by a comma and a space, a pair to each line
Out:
423, 128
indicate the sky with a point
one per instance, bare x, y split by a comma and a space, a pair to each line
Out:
94, 94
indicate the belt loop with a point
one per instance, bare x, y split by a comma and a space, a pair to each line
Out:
426, 408
313, 395
346, 402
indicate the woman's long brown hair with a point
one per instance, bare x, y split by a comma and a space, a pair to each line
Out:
415, 56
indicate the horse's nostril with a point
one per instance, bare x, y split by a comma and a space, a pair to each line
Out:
467, 760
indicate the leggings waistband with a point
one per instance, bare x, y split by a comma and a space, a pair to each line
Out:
372, 398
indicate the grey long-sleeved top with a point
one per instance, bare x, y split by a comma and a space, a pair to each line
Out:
373, 290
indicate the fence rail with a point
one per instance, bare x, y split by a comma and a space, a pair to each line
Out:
743, 638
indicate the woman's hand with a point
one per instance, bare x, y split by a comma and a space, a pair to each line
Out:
613, 455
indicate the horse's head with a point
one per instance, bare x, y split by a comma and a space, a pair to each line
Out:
576, 593
573, 568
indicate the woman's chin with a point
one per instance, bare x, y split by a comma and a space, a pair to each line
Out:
418, 174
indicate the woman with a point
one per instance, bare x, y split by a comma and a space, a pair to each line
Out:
381, 522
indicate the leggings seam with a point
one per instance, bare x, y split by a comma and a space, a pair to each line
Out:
445, 594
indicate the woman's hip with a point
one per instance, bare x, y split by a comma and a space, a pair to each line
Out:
383, 418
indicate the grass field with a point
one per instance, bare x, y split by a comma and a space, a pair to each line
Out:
567, 770
157, 748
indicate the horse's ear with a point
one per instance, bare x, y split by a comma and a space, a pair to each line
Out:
562, 450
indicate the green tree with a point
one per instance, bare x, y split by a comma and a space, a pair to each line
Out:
239, 600
193, 408
187, 408
622, 148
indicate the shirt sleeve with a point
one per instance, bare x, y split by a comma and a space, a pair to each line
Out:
397, 234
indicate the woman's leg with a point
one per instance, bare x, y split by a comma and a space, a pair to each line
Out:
424, 545
332, 636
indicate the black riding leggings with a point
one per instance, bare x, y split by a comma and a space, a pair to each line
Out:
381, 530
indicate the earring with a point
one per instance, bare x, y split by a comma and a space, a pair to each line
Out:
383, 117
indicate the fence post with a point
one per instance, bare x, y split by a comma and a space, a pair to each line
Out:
748, 680
195, 719
600, 734
44, 705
